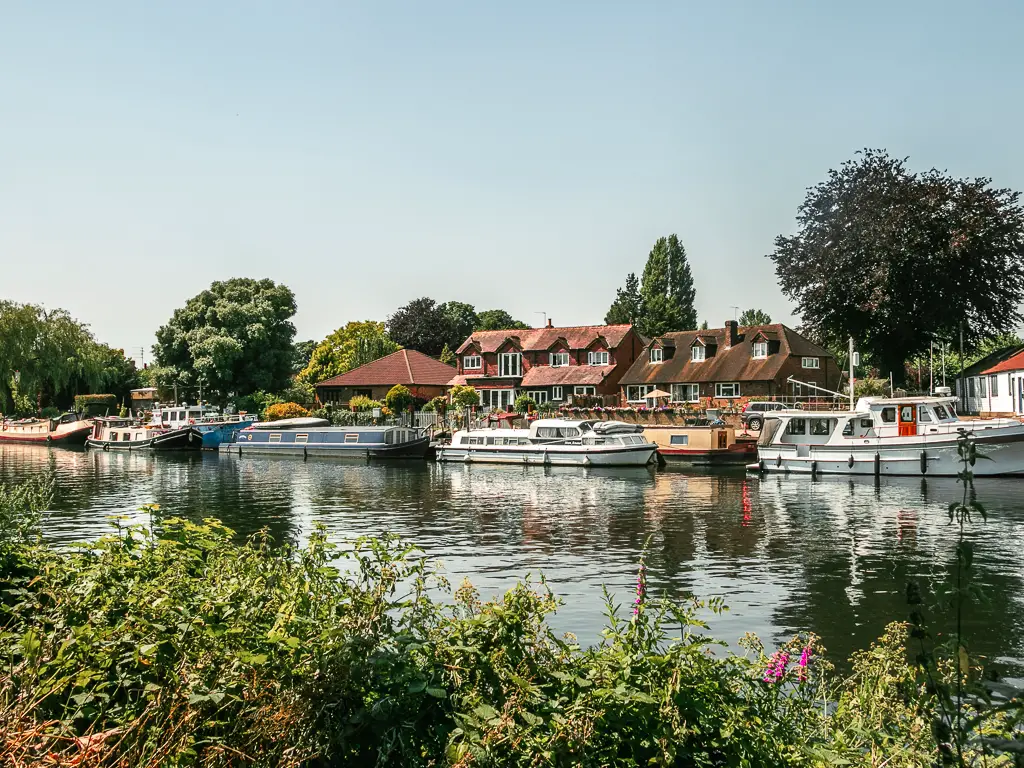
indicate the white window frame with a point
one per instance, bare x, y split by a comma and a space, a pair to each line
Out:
597, 358
506, 367
584, 389
982, 386
469, 360
720, 389
993, 385
657, 355
760, 350
558, 359
539, 396
556, 393
640, 392
685, 393
698, 354
810, 362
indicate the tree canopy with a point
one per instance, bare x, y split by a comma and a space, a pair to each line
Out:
497, 320
754, 317
894, 258
662, 300
234, 338
427, 326
356, 343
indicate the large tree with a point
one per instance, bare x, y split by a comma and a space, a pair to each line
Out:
461, 319
355, 344
754, 317
233, 339
421, 325
628, 305
893, 258
497, 320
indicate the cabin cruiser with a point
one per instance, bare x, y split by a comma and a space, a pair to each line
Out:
554, 442
127, 434
68, 429
214, 426
316, 437
887, 436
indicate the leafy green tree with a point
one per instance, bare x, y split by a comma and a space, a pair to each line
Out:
463, 396
303, 351
524, 404
421, 325
628, 305
399, 399
234, 338
666, 289
754, 317
894, 258
461, 320
447, 356
498, 320
356, 343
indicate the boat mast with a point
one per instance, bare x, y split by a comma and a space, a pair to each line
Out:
851, 373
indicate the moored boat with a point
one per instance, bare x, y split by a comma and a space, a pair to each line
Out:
554, 442
887, 436
68, 429
315, 437
122, 434
701, 445
214, 426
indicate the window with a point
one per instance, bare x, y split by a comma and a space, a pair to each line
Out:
635, 393
810, 362
760, 349
685, 393
274, 438
679, 440
821, 426
982, 382
993, 385
866, 424
597, 358
472, 362
364, 393
940, 411
510, 364
559, 359
302, 438
970, 387
538, 396
922, 414
889, 415
796, 427
728, 389
352, 437
126, 436
697, 353
907, 414
657, 354
556, 393
584, 390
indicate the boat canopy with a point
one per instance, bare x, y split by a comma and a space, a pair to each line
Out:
300, 423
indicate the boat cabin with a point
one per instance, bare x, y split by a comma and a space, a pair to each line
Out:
557, 431
176, 416
335, 436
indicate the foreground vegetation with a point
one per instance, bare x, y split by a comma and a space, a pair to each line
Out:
183, 647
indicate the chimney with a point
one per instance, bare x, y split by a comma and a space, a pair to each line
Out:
732, 336
549, 323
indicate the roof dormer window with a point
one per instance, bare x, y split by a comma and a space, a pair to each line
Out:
697, 353
760, 350
657, 354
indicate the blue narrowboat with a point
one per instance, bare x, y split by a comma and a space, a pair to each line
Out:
214, 427
315, 437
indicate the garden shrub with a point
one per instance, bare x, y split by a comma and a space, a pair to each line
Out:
364, 403
399, 399
279, 411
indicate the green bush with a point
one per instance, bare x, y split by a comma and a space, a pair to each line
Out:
95, 405
463, 396
524, 404
257, 402
364, 403
50, 412
399, 399
279, 411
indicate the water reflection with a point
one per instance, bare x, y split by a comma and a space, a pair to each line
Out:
788, 554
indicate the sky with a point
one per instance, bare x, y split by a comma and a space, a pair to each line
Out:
522, 156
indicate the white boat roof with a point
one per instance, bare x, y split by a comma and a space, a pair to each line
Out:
917, 399
560, 422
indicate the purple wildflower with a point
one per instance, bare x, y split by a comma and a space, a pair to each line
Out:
776, 667
641, 588
805, 657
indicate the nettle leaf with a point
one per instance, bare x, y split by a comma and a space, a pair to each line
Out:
417, 686
437, 693
485, 711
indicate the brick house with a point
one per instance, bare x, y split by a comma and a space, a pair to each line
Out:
549, 364
425, 377
730, 364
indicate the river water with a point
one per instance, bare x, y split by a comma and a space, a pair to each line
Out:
787, 554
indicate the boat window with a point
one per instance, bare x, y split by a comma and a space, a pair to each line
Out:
922, 414
848, 428
796, 427
274, 438
821, 426
889, 415
301, 438
906, 413
679, 440
113, 435
866, 424
351, 437
490, 441
547, 431
570, 432
768, 430
940, 412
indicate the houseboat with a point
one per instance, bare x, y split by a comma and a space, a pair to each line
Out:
315, 437
701, 445
887, 436
123, 434
214, 426
554, 442
68, 429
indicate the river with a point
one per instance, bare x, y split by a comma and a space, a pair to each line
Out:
787, 554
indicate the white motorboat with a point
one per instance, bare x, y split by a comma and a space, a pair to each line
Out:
553, 442
887, 436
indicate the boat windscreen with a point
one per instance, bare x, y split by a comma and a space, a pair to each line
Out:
768, 430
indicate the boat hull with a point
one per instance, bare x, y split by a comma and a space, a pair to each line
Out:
550, 455
737, 455
76, 436
184, 439
216, 435
1003, 456
412, 449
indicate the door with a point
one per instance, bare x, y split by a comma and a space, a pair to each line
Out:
908, 421
723, 439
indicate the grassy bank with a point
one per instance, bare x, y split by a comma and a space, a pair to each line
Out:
184, 648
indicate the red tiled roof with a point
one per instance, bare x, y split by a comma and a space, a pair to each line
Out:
546, 375
406, 366
1012, 363
727, 364
540, 339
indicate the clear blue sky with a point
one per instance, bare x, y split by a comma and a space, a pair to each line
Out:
523, 156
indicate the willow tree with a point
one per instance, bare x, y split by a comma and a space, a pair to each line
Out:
895, 258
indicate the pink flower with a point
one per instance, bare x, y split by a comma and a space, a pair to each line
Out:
777, 665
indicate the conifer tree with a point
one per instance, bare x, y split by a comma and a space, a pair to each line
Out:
628, 305
666, 289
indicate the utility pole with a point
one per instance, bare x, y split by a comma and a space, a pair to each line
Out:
175, 392
963, 382
852, 379
931, 366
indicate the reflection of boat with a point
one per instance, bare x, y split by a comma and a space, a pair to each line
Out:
553, 442
315, 437
701, 446
118, 434
887, 436
65, 430
214, 426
